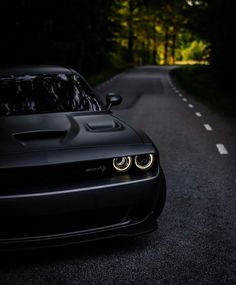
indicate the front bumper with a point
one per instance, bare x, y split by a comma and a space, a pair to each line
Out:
65, 239
61, 217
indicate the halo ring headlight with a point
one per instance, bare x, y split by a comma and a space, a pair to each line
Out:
122, 164
144, 161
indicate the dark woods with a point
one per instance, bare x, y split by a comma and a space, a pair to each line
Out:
98, 35
75, 33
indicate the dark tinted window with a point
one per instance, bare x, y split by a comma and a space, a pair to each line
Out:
29, 94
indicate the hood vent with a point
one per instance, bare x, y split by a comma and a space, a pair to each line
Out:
40, 135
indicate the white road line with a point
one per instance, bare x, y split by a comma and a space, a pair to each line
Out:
221, 148
180, 95
185, 99
208, 127
190, 106
198, 114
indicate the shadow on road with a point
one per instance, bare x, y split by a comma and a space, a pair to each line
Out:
81, 251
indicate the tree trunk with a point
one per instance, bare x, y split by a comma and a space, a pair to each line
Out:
173, 47
166, 45
154, 56
147, 50
154, 51
130, 31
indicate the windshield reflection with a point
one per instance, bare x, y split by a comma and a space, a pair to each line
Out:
34, 94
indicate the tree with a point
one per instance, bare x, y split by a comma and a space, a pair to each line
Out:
213, 20
75, 33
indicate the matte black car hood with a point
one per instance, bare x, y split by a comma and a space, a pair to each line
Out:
63, 130
61, 137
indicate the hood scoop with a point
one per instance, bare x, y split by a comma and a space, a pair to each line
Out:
40, 135
103, 126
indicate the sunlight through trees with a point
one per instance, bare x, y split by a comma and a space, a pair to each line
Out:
104, 34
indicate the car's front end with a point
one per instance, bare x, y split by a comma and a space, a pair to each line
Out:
67, 211
69, 177
65, 195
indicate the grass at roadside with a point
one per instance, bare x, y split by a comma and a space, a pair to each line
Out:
200, 81
95, 79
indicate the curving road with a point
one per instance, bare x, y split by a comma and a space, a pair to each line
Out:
195, 242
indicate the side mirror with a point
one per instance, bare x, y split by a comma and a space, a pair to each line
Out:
112, 99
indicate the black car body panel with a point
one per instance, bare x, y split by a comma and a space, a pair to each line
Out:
63, 131
58, 183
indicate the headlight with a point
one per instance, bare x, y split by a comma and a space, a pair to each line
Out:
144, 161
122, 164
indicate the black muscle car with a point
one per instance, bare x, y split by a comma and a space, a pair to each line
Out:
70, 170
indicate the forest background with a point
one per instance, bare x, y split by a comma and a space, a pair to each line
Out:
102, 37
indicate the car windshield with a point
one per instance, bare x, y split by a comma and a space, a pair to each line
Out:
35, 94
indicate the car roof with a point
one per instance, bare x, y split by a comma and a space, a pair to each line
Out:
35, 69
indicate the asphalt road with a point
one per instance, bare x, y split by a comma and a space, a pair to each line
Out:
196, 239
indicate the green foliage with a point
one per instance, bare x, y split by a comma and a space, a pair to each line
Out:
95, 35
214, 21
196, 51
149, 30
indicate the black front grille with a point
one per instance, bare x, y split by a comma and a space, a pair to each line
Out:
63, 223
17, 178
